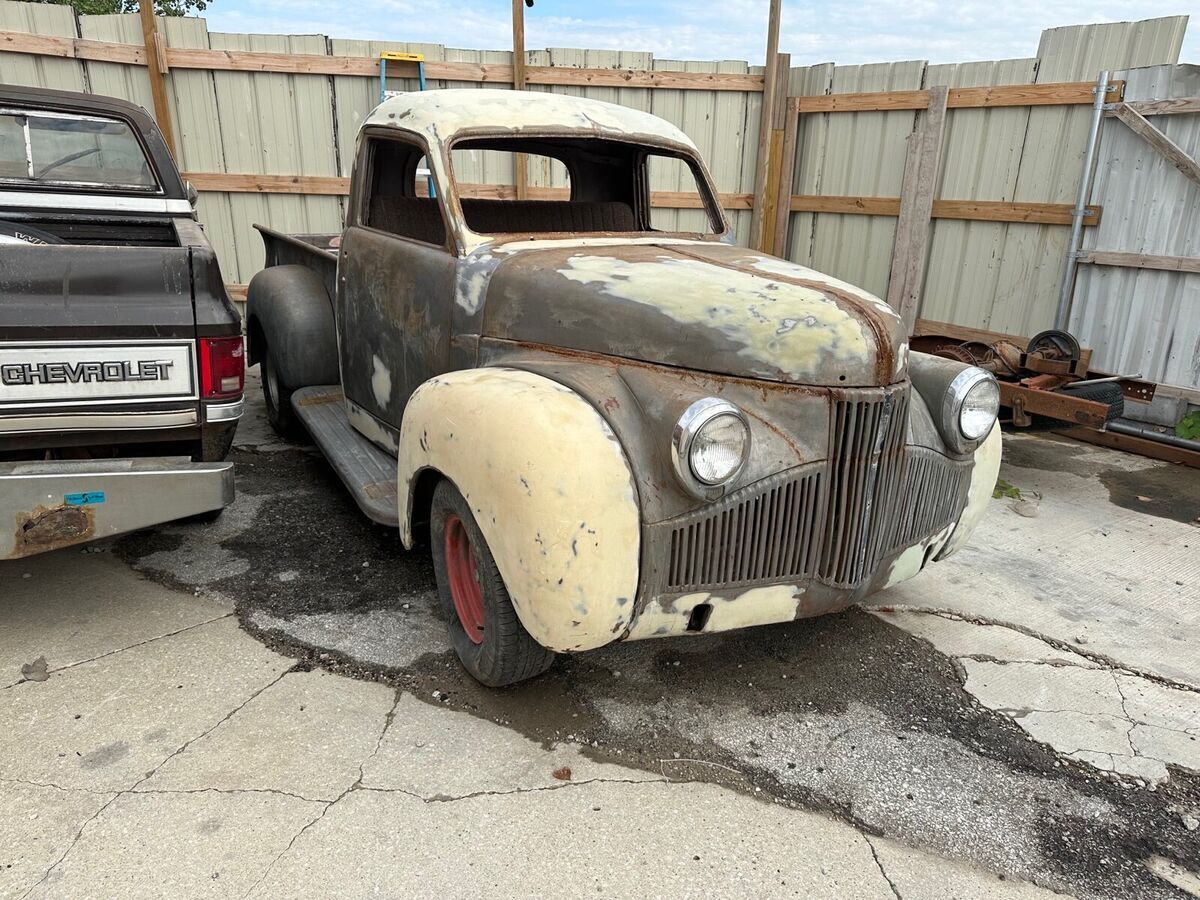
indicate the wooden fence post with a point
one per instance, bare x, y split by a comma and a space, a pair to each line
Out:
787, 169
156, 69
765, 122
911, 252
520, 162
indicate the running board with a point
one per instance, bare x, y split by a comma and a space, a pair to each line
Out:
368, 472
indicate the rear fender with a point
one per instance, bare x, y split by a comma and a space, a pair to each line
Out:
288, 309
550, 488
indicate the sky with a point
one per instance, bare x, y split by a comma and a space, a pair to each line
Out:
847, 33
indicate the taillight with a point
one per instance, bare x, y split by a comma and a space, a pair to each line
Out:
222, 367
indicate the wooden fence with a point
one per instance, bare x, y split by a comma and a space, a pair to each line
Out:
265, 127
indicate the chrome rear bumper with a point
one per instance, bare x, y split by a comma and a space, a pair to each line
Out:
47, 505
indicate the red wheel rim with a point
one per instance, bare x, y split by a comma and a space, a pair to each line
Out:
464, 580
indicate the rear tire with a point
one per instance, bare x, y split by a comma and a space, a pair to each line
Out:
278, 399
484, 629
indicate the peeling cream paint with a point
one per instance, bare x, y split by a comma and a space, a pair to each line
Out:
784, 269
381, 382
472, 279
979, 493
551, 491
912, 560
756, 606
440, 115
797, 329
368, 426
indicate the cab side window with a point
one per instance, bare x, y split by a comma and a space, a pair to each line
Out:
397, 196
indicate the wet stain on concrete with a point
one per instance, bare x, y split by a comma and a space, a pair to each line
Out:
105, 756
843, 714
1161, 489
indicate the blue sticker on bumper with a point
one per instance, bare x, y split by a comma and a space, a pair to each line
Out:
87, 498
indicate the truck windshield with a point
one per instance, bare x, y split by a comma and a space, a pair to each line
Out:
580, 185
50, 148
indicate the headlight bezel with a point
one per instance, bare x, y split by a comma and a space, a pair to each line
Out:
693, 420
952, 404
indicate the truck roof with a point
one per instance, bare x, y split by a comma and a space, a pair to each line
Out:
443, 114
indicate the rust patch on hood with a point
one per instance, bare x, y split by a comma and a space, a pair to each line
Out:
47, 528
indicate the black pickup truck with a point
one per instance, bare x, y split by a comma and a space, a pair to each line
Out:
121, 357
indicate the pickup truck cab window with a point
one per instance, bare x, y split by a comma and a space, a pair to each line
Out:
675, 175
43, 147
398, 200
605, 188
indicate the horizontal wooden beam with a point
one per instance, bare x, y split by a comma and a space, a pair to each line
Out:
1141, 261
971, 210
365, 66
1054, 94
336, 186
268, 184
1173, 106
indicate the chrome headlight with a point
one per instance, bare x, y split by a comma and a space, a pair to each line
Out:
970, 407
710, 445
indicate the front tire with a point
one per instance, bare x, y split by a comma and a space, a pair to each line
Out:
486, 633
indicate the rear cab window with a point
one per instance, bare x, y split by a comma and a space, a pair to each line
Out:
44, 148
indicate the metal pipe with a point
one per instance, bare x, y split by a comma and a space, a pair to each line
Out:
1062, 314
1151, 435
1106, 378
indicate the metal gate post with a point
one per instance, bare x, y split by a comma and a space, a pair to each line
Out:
1062, 314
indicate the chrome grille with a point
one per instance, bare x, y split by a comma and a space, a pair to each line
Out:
765, 536
832, 520
931, 496
866, 452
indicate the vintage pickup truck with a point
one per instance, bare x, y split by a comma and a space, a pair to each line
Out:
611, 422
121, 357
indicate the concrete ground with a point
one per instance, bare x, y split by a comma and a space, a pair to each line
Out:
266, 706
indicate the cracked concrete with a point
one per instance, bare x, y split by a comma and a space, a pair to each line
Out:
911, 753
1114, 720
1098, 563
202, 764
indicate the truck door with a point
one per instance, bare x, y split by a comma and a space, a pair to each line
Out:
395, 283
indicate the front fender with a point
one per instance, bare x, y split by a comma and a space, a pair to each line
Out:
979, 492
550, 488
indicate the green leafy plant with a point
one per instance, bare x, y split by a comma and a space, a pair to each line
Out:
108, 7
1189, 426
1005, 489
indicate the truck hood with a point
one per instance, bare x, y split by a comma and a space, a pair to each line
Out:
697, 305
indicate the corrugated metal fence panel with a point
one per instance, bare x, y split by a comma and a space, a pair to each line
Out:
116, 79
48, 20
863, 155
1031, 257
355, 97
273, 123
718, 125
980, 160
807, 178
1141, 320
193, 97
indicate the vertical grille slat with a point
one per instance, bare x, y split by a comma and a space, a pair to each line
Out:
831, 521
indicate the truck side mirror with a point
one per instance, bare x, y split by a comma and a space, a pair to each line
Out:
192, 194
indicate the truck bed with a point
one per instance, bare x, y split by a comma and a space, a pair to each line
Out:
315, 251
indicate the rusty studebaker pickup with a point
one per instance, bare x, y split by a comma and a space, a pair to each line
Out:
611, 422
